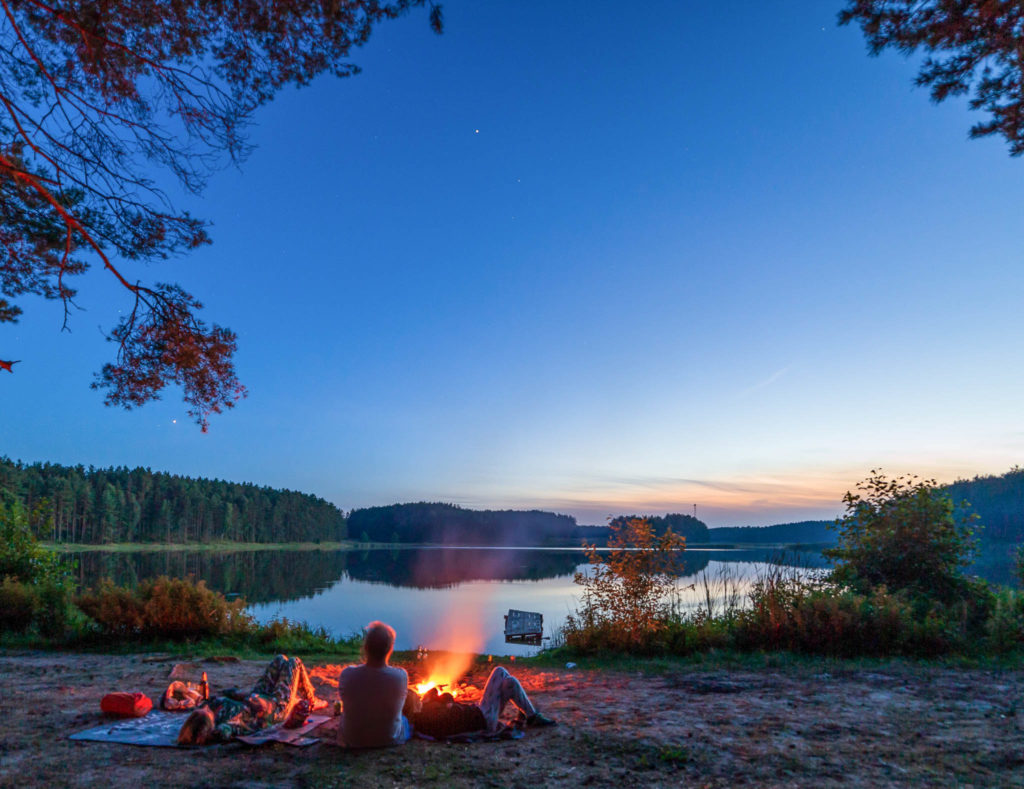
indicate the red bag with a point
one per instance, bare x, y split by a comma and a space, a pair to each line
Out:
126, 705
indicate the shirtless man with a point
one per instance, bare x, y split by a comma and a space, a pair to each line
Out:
372, 695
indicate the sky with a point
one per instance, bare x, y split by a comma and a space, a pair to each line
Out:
591, 257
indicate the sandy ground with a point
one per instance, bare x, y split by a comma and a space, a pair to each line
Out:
819, 725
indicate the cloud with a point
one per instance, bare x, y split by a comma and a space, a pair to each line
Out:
765, 383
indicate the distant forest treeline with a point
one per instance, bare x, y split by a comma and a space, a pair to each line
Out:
96, 506
697, 532
998, 501
799, 532
433, 522
685, 525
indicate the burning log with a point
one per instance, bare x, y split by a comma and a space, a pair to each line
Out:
443, 672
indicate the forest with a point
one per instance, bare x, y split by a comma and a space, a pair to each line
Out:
685, 525
997, 500
87, 505
448, 524
78, 504
798, 532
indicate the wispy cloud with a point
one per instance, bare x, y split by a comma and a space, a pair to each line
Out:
764, 383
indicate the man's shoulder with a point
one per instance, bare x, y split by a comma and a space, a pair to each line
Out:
364, 672
395, 677
398, 673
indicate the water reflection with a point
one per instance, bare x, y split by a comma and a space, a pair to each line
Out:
441, 568
267, 576
258, 576
425, 592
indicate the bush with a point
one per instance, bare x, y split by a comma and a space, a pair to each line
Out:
626, 589
165, 607
815, 619
18, 604
55, 607
1005, 626
21, 555
117, 610
36, 587
177, 608
818, 617
903, 534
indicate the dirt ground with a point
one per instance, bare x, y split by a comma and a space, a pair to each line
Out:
814, 725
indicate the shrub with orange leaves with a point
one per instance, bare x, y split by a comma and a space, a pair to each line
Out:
628, 587
164, 607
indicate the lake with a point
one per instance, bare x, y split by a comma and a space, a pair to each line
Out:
436, 597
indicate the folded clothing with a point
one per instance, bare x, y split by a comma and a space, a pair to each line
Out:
181, 696
126, 705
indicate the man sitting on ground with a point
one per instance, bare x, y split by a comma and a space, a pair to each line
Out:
373, 694
441, 716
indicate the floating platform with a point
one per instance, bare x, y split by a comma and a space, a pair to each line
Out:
523, 625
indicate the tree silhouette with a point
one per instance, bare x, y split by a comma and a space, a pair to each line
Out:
970, 45
97, 97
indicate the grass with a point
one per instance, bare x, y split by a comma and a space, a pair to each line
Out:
338, 650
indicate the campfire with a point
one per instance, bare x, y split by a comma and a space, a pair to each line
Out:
461, 634
442, 687
443, 671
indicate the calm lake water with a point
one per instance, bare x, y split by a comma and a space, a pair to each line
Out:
435, 597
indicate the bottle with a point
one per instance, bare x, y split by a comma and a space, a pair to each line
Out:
204, 687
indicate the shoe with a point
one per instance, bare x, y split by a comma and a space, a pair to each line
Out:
298, 715
540, 719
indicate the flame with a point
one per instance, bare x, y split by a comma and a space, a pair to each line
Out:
442, 687
461, 634
445, 670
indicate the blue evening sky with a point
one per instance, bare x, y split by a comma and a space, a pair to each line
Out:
595, 257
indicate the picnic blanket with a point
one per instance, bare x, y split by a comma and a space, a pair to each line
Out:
160, 729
